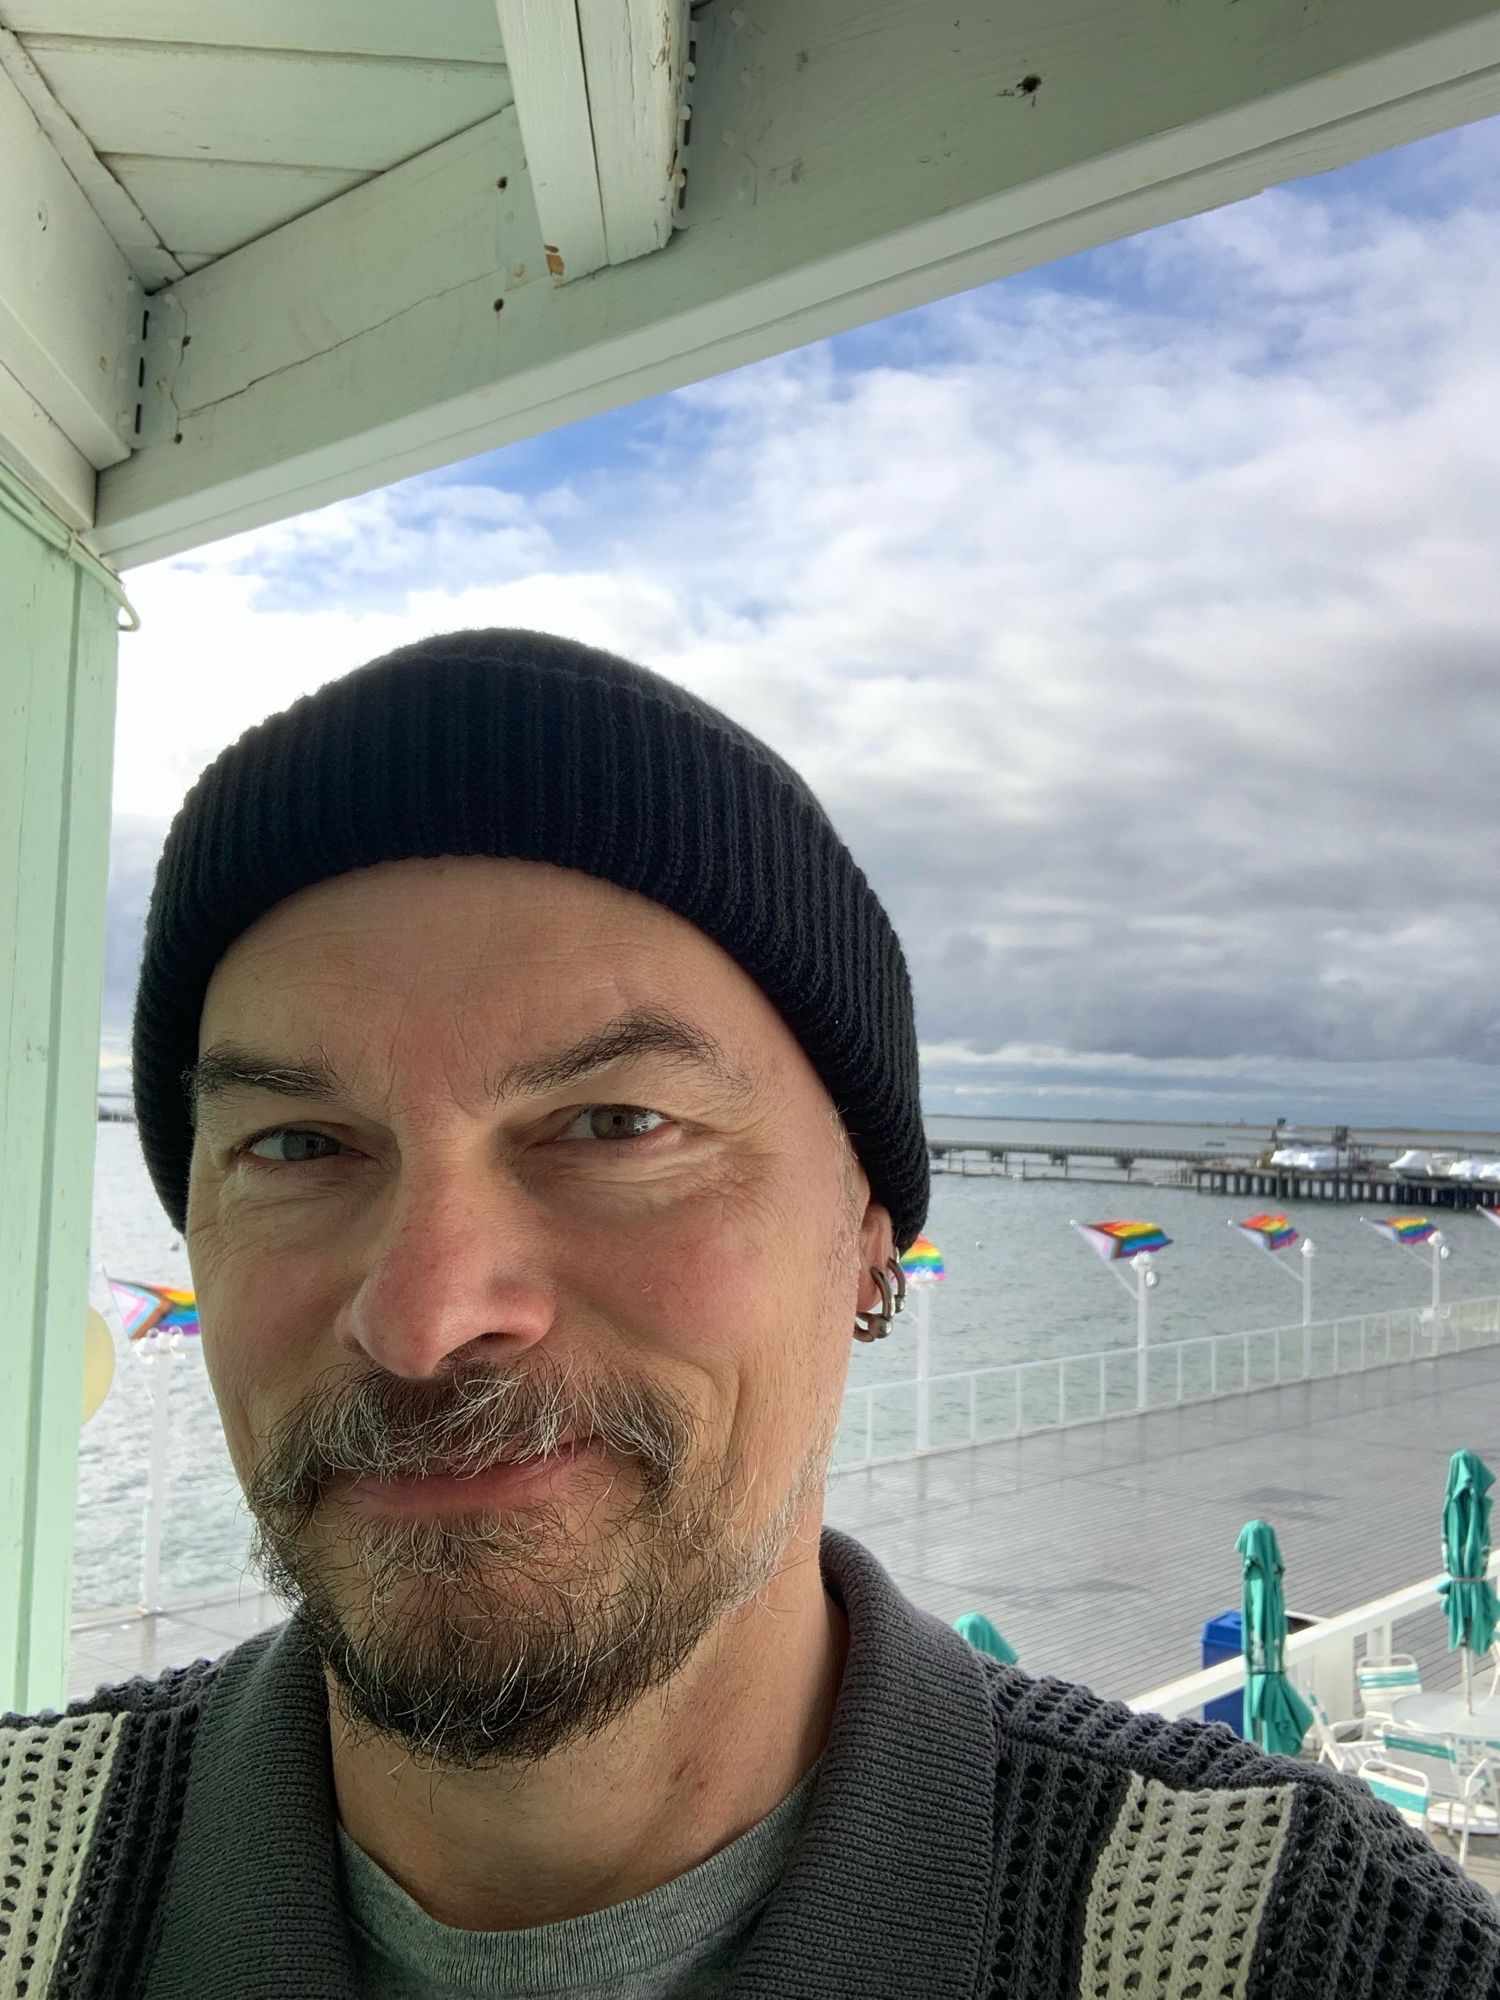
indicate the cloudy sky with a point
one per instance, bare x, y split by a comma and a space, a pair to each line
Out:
1138, 621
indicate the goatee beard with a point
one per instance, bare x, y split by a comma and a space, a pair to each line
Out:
496, 1637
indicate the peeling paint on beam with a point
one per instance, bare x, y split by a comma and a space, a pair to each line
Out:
635, 57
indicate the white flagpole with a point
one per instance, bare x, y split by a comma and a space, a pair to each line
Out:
1439, 1249
1305, 1281
156, 1495
1144, 1275
924, 1362
1142, 1293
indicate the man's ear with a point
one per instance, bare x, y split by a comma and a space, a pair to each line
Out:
877, 1238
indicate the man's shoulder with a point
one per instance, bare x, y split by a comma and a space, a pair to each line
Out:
176, 1689
88, 1801
58, 1763
94, 1718
1065, 1719
1282, 1863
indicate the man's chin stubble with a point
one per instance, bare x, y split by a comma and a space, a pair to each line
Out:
485, 1640
480, 1638
498, 1639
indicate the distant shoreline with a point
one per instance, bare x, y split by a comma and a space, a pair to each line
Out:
115, 1108
1380, 1135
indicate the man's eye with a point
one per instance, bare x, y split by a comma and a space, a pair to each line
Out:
613, 1121
290, 1146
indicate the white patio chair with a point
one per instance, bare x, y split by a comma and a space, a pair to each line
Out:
1346, 1744
1383, 1678
1495, 1676
1465, 1791
1406, 1790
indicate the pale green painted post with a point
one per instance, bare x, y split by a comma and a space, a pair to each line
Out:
57, 695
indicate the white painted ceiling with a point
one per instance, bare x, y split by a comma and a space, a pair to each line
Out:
225, 118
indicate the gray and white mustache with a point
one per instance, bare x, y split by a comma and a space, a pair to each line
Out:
383, 1427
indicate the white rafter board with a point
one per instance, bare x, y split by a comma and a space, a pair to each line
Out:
204, 209
545, 55
436, 30
844, 163
265, 107
635, 57
598, 90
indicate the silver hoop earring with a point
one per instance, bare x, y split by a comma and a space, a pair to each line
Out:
876, 1325
893, 1265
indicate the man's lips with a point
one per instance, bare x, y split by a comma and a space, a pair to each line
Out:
516, 1483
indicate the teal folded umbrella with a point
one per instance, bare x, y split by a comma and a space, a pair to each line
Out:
1276, 1716
1468, 1595
984, 1637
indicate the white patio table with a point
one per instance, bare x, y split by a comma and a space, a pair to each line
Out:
1446, 1715
1476, 1734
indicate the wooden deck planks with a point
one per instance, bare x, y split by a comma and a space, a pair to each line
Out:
1100, 1552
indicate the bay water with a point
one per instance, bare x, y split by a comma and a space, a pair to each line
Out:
1021, 1285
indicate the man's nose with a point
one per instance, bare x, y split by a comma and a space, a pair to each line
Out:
456, 1263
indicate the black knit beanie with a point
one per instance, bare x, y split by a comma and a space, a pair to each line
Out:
519, 744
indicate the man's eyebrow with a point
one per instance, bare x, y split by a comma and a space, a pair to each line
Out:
632, 1036
226, 1067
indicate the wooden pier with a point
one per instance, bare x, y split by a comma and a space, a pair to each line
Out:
1212, 1173
1364, 1184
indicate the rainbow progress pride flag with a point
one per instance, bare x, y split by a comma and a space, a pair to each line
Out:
1112, 1240
924, 1260
1271, 1232
1408, 1229
147, 1309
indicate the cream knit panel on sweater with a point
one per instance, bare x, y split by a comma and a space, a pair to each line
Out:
1178, 1892
52, 1780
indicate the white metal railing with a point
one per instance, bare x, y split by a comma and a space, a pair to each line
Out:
1320, 1659
883, 1421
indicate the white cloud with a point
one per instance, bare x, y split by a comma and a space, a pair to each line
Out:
1142, 641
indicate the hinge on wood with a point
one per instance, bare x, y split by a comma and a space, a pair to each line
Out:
162, 339
138, 376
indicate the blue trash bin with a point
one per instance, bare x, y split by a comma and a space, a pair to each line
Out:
1224, 1639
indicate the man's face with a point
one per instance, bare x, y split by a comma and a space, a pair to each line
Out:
527, 1246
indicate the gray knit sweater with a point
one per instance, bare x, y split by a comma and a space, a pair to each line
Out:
973, 1832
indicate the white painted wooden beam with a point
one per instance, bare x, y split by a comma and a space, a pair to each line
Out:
37, 451
635, 56
846, 162
598, 86
383, 277
70, 306
544, 54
